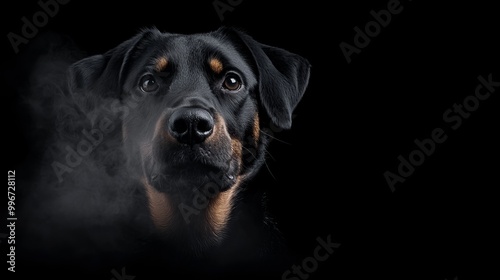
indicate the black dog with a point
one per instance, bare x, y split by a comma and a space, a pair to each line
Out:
192, 112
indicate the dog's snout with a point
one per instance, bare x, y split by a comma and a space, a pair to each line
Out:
191, 125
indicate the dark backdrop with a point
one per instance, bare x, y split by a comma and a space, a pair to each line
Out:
326, 175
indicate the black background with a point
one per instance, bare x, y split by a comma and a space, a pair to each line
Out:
326, 173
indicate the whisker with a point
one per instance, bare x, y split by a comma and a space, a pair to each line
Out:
269, 168
265, 162
275, 138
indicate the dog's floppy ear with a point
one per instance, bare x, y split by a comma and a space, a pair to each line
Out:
283, 78
97, 77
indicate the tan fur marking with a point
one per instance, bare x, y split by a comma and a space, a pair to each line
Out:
236, 148
220, 208
256, 129
159, 207
216, 65
219, 135
161, 64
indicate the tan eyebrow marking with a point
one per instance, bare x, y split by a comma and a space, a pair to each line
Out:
161, 64
216, 65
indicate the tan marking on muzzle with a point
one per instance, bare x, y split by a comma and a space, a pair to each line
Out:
236, 149
219, 134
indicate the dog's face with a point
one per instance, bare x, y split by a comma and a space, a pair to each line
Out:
192, 108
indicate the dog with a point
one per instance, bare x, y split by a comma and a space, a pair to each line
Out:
195, 134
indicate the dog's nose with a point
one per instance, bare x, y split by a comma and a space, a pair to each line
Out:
191, 125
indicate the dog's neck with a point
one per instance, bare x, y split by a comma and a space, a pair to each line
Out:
206, 220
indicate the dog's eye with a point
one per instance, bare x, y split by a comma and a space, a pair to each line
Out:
148, 83
232, 82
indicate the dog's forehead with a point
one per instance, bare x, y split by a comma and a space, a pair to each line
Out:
218, 52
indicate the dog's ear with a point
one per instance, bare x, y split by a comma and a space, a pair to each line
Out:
98, 77
283, 77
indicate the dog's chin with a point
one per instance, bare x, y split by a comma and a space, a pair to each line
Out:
186, 179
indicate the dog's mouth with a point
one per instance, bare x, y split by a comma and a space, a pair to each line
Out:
184, 169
